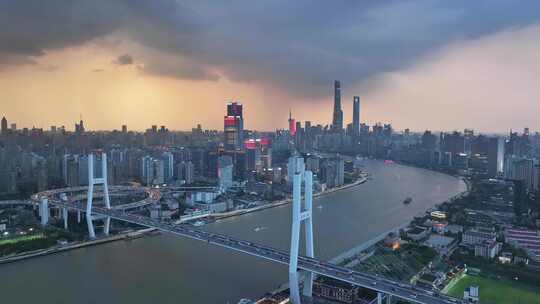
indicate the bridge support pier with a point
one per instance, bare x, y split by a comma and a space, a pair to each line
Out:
44, 211
308, 200
65, 217
92, 180
388, 299
379, 298
298, 216
107, 225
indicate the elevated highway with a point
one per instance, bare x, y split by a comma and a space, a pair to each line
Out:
396, 289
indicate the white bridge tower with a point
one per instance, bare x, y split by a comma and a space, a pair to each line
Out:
301, 214
92, 181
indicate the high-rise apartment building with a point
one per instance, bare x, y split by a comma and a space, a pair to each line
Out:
153, 171
186, 172
225, 171
168, 166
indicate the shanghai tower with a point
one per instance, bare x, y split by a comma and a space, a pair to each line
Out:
337, 119
356, 115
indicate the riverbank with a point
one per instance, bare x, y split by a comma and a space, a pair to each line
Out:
141, 233
119, 269
351, 253
362, 251
75, 245
219, 216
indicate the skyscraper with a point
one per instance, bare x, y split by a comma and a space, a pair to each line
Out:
495, 156
79, 128
234, 127
168, 165
337, 119
292, 124
225, 171
4, 125
356, 116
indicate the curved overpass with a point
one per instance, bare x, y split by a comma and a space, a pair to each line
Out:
152, 195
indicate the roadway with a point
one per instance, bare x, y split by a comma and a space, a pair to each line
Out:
370, 281
152, 195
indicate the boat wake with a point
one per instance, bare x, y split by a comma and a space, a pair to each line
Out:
257, 229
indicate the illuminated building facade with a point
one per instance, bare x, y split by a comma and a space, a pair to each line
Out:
234, 127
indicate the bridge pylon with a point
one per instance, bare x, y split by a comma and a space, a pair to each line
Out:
301, 214
44, 211
92, 181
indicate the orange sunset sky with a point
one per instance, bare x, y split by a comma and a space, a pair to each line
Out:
488, 82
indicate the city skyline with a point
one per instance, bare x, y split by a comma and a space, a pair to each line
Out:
270, 152
148, 64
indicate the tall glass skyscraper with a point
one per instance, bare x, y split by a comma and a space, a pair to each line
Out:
337, 119
234, 127
356, 115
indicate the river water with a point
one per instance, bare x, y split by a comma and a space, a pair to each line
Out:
169, 269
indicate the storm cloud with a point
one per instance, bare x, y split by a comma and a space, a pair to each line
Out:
296, 46
125, 59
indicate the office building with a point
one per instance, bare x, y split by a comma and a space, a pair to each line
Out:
487, 249
79, 128
333, 172
495, 156
478, 236
521, 169
4, 126
225, 172
337, 119
295, 164
356, 116
292, 125
234, 127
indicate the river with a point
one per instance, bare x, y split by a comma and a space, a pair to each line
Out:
169, 269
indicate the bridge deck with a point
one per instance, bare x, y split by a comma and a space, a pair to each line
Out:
370, 281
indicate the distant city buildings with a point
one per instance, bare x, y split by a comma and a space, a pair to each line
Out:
332, 172
295, 165
32, 159
79, 128
4, 124
292, 125
153, 171
356, 116
186, 172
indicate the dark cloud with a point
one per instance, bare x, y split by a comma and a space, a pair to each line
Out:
177, 69
299, 46
125, 59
